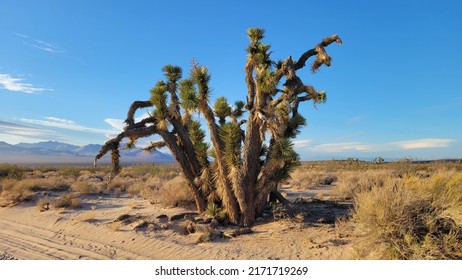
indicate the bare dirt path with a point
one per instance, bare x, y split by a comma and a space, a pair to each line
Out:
27, 233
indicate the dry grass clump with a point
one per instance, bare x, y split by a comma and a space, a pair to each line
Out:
173, 193
11, 171
351, 183
83, 187
143, 188
14, 191
164, 172
410, 219
120, 183
65, 201
302, 178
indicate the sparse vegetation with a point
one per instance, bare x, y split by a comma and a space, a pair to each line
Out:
11, 171
413, 218
400, 210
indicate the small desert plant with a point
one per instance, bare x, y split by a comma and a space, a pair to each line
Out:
11, 171
121, 183
173, 193
303, 178
140, 187
66, 201
351, 183
403, 222
82, 187
164, 172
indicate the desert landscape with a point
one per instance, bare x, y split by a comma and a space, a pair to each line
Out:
178, 130
337, 210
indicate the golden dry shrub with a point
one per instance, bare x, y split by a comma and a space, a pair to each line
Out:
350, 183
173, 193
301, 178
143, 187
404, 220
65, 201
13, 192
120, 183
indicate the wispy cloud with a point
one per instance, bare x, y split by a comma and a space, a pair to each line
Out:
116, 124
119, 124
66, 124
344, 147
41, 45
301, 144
16, 84
341, 147
355, 120
423, 143
14, 133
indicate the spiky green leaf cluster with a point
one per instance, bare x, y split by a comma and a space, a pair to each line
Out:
172, 72
294, 125
159, 101
266, 82
222, 109
284, 151
200, 75
188, 95
197, 135
230, 134
255, 34
239, 109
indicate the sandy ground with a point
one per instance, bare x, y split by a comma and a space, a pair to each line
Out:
90, 233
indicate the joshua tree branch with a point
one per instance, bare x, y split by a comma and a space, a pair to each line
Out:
135, 106
113, 144
314, 51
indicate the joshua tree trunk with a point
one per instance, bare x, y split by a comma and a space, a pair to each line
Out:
246, 167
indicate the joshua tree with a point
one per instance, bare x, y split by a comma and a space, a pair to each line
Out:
245, 160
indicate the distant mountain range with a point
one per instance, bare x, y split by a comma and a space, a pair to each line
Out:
53, 152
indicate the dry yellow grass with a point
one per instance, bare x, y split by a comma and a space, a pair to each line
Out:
83, 187
174, 192
412, 218
66, 200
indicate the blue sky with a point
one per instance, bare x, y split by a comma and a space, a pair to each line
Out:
70, 69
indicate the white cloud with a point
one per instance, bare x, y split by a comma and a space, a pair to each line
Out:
119, 124
116, 123
60, 120
14, 133
423, 143
355, 120
303, 143
17, 84
41, 45
66, 124
342, 147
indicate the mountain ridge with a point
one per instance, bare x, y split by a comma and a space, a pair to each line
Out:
55, 152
